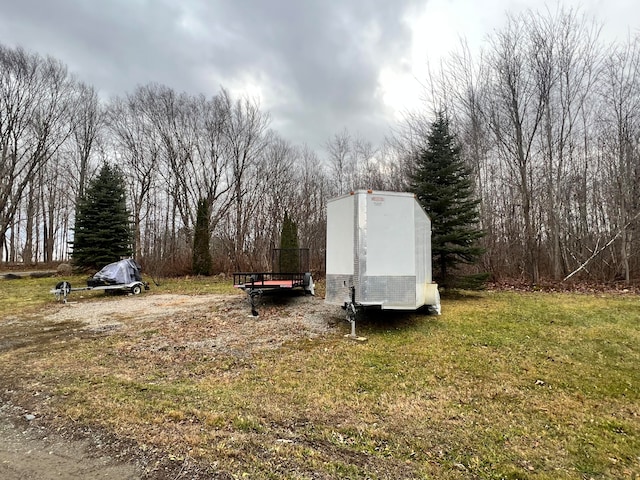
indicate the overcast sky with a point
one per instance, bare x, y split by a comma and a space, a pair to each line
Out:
318, 66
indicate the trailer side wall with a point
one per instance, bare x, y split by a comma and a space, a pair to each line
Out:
340, 236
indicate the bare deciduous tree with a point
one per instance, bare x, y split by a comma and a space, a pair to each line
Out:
35, 108
620, 141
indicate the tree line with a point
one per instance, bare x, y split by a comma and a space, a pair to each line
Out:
546, 116
175, 151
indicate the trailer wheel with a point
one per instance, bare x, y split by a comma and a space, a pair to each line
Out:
136, 289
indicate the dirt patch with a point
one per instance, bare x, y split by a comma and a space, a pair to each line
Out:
30, 451
163, 323
211, 322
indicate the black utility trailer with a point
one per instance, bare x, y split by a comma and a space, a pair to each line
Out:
290, 271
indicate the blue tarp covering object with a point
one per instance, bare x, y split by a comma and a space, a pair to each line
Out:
122, 272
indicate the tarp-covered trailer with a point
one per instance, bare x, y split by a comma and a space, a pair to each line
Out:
379, 252
123, 276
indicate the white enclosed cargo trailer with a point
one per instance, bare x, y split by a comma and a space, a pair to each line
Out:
379, 252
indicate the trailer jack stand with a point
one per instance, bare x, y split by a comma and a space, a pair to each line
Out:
255, 296
352, 314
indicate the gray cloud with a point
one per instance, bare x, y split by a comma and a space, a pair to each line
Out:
324, 59
316, 62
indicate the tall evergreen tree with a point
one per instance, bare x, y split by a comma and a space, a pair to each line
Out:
290, 250
443, 185
102, 232
202, 262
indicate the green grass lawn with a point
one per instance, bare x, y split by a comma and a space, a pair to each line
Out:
501, 385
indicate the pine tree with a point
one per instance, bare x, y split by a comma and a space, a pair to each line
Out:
202, 262
289, 247
102, 231
443, 185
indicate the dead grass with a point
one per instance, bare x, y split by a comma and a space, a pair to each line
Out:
502, 385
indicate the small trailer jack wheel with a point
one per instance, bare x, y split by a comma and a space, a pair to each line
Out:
62, 290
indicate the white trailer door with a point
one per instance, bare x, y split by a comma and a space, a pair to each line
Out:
390, 235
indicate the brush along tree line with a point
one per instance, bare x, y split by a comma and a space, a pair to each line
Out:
545, 119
